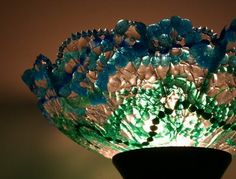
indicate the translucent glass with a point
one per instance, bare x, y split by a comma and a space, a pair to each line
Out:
138, 86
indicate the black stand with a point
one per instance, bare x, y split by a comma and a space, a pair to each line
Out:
172, 163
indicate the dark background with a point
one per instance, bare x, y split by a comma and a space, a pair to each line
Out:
30, 148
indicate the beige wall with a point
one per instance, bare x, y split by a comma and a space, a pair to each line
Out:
31, 147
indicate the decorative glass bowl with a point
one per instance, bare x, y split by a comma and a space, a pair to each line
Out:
137, 86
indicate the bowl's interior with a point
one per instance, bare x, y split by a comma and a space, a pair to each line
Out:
138, 86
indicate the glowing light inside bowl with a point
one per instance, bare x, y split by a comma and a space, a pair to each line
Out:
138, 86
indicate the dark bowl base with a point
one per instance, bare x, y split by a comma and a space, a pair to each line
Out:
172, 163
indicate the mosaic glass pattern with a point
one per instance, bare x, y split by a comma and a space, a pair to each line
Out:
139, 86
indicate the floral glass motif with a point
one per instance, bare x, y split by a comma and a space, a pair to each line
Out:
139, 86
